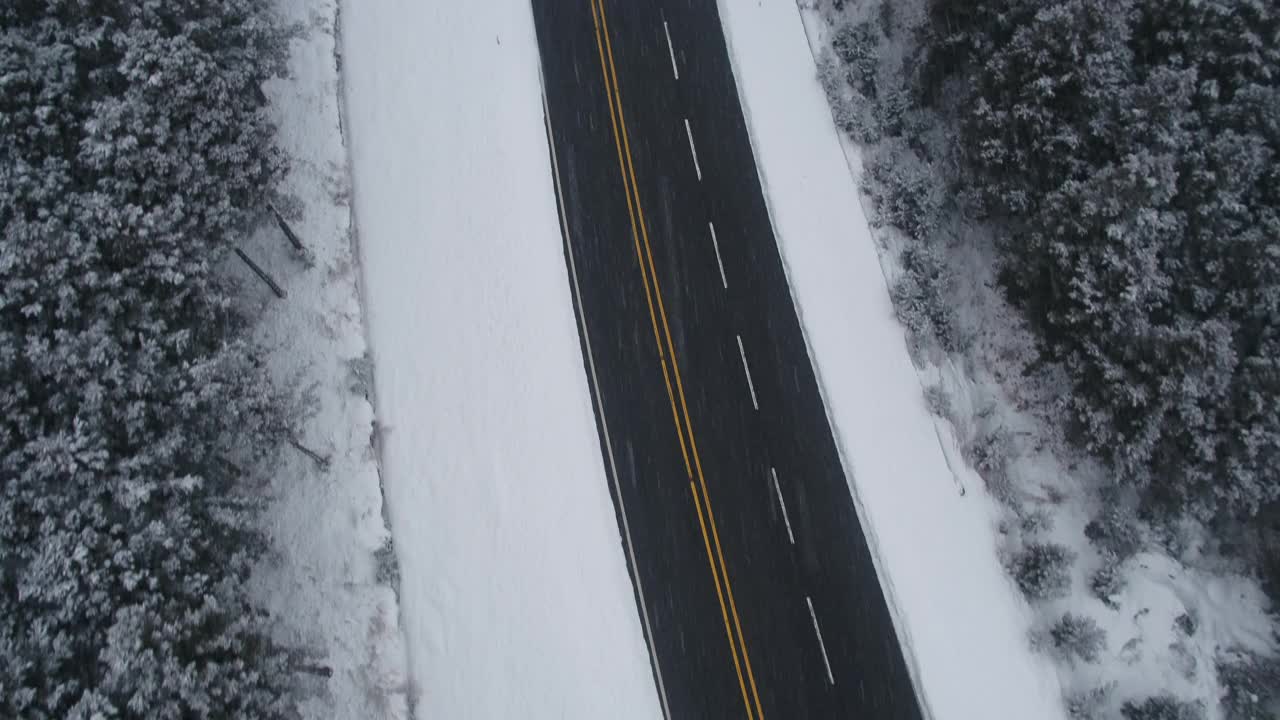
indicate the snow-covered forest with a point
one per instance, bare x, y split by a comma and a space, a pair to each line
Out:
1128, 152
136, 417
1080, 203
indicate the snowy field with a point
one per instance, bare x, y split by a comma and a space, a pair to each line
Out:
963, 623
515, 594
330, 596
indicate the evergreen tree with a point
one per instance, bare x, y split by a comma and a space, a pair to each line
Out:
1043, 570
133, 145
1078, 636
1128, 152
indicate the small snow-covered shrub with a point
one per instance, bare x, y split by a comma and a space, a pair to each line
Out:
857, 46
1090, 704
992, 450
919, 294
1162, 707
935, 396
1183, 660
1108, 581
1251, 687
387, 567
1115, 530
1000, 485
851, 112
1078, 636
989, 454
907, 190
1042, 570
360, 374
891, 111
831, 78
925, 263
1187, 623
910, 307
1036, 521
1055, 494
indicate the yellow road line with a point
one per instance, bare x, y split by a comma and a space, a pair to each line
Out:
675, 416
706, 498
720, 596
661, 352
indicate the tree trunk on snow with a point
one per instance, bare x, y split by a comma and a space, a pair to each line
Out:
262, 274
288, 231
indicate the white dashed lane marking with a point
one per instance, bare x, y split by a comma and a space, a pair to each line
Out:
783, 504
821, 645
692, 150
747, 369
719, 263
674, 70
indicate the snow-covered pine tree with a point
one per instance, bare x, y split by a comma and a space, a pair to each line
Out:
1043, 570
133, 145
1078, 636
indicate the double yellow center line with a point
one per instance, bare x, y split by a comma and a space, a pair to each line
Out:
667, 352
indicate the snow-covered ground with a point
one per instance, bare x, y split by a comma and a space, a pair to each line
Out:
963, 624
515, 594
329, 595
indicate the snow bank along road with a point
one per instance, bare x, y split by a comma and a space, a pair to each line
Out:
514, 593
754, 582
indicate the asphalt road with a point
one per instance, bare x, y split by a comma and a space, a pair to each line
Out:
753, 579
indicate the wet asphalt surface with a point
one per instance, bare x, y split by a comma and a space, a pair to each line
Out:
759, 595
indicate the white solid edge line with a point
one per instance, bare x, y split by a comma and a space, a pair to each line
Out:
692, 150
821, 645
783, 504
604, 423
747, 369
674, 70
719, 263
